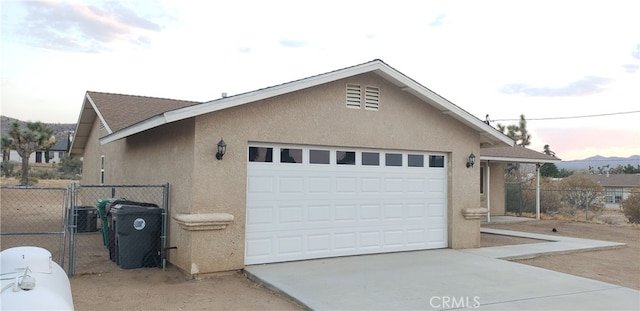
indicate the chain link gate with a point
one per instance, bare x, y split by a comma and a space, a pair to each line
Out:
66, 221
91, 244
34, 216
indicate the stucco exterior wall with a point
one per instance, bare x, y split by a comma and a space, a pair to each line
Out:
183, 154
497, 189
319, 116
157, 156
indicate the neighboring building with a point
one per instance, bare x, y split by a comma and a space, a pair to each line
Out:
355, 161
617, 187
56, 152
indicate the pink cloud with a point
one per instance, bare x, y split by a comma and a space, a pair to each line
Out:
577, 143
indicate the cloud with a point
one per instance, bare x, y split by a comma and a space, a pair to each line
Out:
438, 21
84, 27
636, 52
292, 43
585, 86
631, 68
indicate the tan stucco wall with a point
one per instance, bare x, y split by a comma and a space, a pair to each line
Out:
157, 156
318, 116
315, 116
497, 189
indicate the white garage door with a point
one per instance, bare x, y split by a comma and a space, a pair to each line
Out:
312, 202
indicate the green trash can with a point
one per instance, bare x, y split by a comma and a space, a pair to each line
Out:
101, 204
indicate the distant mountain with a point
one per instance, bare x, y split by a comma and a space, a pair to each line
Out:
60, 130
599, 161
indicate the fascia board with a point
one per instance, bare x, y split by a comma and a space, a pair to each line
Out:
518, 160
134, 129
99, 114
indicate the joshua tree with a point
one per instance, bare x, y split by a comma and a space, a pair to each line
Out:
26, 140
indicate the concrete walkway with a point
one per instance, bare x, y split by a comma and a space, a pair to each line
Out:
446, 279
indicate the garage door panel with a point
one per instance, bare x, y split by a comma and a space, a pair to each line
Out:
302, 211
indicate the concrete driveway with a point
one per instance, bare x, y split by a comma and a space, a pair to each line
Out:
438, 279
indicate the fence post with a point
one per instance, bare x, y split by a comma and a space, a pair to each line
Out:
72, 230
586, 214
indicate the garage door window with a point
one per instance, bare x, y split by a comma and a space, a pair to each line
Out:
319, 156
370, 158
393, 159
415, 160
346, 157
260, 154
288, 155
436, 161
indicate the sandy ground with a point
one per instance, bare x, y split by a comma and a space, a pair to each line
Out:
153, 289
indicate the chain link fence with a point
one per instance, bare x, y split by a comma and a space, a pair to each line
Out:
88, 228
521, 200
31, 216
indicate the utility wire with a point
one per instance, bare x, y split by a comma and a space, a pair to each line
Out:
572, 117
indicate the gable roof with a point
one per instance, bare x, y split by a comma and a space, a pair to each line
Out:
515, 154
123, 128
117, 112
616, 180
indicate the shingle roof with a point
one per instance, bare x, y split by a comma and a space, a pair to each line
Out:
515, 154
121, 111
616, 180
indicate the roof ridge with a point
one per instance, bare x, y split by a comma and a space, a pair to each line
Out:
143, 96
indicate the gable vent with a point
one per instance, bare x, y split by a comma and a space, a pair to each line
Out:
371, 98
354, 96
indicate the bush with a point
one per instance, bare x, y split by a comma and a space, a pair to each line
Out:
631, 208
8, 168
46, 174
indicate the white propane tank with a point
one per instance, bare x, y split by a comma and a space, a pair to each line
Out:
32, 281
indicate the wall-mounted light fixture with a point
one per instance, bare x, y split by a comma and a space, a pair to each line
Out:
471, 161
222, 149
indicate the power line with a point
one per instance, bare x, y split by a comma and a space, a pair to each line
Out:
572, 117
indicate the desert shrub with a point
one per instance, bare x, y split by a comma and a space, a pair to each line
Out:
631, 208
46, 174
70, 168
581, 192
8, 168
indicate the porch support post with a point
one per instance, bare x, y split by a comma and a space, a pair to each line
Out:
538, 191
488, 190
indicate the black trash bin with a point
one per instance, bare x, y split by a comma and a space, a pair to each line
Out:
137, 231
87, 219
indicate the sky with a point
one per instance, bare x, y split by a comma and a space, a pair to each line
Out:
572, 68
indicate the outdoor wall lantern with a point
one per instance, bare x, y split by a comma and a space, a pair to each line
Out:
222, 149
471, 161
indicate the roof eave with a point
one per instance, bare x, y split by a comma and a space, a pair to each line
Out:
518, 160
134, 129
487, 133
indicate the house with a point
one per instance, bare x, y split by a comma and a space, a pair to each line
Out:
56, 152
617, 187
359, 160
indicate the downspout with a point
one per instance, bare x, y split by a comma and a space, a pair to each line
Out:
538, 191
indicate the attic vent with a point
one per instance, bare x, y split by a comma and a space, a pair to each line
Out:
354, 96
371, 98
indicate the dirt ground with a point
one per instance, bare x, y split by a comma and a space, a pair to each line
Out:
155, 289
619, 266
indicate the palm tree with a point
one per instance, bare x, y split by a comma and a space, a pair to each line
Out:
26, 140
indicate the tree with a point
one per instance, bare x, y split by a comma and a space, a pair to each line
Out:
582, 193
549, 170
26, 140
